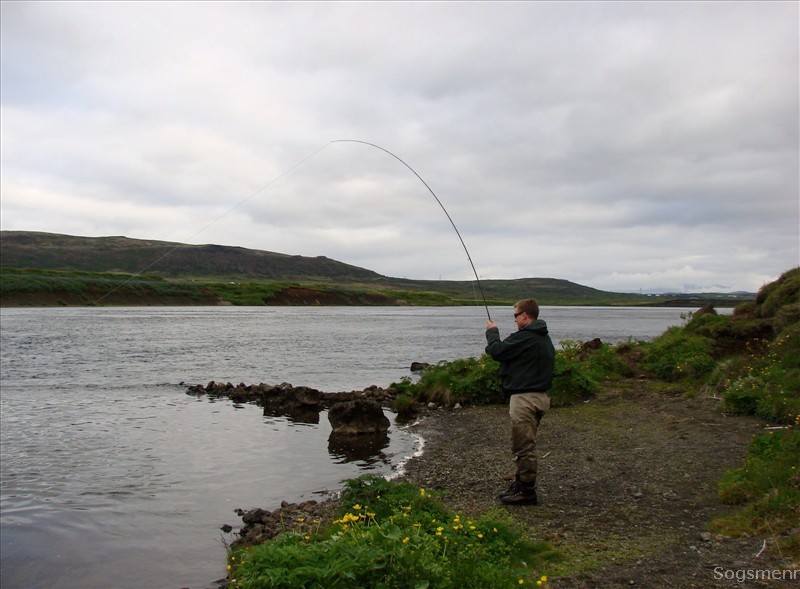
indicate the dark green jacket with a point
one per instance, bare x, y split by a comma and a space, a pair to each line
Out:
526, 358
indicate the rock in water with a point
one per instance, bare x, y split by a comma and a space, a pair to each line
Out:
360, 416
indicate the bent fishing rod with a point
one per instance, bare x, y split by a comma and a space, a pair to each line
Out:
469, 257
478, 280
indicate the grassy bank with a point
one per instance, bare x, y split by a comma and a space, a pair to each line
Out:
36, 288
393, 535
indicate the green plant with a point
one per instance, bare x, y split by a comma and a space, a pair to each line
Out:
474, 381
767, 487
743, 395
778, 294
600, 363
678, 354
394, 535
470, 381
571, 381
766, 380
403, 405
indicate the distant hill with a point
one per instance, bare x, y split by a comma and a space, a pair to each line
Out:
51, 251
31, 260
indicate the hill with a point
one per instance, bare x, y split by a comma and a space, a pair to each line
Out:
49, 269
50, 251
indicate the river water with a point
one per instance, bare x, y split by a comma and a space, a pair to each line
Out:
112, 477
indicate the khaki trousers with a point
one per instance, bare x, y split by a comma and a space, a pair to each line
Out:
526, 411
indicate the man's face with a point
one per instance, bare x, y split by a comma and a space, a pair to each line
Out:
520, 318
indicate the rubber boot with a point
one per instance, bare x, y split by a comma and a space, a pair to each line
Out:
513, 488
524, 495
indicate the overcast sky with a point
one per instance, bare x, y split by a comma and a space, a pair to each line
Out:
623, 146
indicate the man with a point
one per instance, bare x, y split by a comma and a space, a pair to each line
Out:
526, 369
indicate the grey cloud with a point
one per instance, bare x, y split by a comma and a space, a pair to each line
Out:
618, 144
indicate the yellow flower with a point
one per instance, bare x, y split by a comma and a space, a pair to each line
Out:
406, 540
521, 581
422, 492
480, 535
357, 507
349, 517
307, 537
301, 520
229, 567
543, 579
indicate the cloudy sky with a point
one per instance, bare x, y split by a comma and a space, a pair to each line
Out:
623, 146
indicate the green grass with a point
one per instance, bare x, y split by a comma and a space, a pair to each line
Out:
475, 381
89, 287
679, 354
765, 381
422, 298
394, 535
469, 381
247, 293
767, 487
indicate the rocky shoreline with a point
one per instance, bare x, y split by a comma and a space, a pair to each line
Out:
357, 420
357, 423
284, 396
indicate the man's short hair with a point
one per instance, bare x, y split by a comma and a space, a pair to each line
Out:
529, 306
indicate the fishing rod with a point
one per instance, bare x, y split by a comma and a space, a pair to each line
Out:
478, 280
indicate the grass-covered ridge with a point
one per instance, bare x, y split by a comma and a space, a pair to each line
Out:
29, 287
51, 287
241, 276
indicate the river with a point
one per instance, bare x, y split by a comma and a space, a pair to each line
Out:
112, 477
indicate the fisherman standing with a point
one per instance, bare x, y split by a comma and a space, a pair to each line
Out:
526, 369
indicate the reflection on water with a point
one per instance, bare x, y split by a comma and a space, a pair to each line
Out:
367, 449
307, 415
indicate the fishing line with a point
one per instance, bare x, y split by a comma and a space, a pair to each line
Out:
217, 219
440, 204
